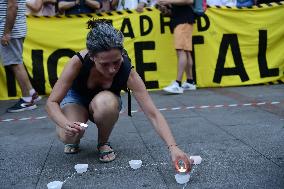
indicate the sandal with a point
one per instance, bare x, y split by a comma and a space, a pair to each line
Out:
105, 152
71, 148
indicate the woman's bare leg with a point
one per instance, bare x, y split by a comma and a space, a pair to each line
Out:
105, 110
75, 113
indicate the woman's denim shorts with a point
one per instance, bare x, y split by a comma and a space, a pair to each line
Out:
73, 97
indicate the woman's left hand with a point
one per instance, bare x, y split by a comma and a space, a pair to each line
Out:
176, 155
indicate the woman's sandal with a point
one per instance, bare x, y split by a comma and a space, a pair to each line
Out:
103, 153
71, 148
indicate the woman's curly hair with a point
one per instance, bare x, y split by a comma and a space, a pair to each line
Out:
103, 36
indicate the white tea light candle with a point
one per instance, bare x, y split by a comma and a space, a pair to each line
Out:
135, 164
81, 168
196, 159
55, 185
182, 178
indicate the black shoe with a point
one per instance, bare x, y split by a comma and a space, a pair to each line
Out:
21, 105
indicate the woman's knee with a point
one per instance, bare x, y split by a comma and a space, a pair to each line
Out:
105, 102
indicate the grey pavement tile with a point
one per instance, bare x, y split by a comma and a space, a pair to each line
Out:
267, 139
21, 164
185, 130
5, 104
31, 132
168, 114
238, 115
261, 93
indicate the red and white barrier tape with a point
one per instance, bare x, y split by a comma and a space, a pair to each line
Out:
163, 109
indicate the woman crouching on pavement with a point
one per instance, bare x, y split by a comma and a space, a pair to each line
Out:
89, 89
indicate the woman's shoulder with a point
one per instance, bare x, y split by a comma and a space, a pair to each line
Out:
83, 52
81, 56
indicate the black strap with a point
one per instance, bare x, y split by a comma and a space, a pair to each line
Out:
80, 57
129, 99
129, 102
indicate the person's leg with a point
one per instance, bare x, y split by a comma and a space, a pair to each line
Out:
75, 108
75, 113
189, 84
11, 56
182, 63
105, 109
28, 92
13, 59
175, 86
188, 68
22, 78
188, 30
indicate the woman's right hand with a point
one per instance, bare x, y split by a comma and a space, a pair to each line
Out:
73, 128
177, 154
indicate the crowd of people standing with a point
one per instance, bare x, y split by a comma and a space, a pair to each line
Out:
58, 7
67, 7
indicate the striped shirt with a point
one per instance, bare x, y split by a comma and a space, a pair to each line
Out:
20, 28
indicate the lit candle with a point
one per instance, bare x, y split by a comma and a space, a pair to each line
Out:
182, 169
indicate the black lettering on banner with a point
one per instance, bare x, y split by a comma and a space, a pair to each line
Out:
196, 40
141, 66
53, 61
262, 63
200, 27
220, 70
38, 80
127, 24
164, 24
11, 82
142, 29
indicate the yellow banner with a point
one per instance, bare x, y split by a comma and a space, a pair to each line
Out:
241, 47
231, 47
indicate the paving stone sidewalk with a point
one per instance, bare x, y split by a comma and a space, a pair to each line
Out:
238, 131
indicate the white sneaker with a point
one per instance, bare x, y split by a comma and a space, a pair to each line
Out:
188, 86
174, 88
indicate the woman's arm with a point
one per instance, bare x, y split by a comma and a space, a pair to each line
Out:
141, 5
35, 6
158, 121
60, 89
11, 14
50, 1
114, 4
64, 5
175, 2
93, 4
